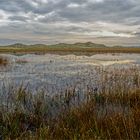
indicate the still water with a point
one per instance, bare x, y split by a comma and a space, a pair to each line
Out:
55, 73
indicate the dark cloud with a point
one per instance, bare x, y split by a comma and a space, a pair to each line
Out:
18, 18
64, 18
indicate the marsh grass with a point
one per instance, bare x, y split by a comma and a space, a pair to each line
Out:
3, 61
111, 112
69, 49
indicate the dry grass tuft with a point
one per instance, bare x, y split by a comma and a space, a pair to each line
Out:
3, 61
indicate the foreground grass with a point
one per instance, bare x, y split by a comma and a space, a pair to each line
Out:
101, 117
111, 113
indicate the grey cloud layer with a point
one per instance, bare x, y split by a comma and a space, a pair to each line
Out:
74, 19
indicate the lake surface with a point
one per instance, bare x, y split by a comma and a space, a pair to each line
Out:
55, 73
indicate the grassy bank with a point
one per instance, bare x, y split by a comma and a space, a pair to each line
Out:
77, 48
106, 113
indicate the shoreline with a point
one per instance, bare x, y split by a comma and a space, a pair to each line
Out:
65, 51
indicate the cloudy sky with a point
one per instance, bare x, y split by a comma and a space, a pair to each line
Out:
110, 22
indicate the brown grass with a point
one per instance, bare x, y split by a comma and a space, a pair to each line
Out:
3, 61
110, 113
69, 50
90, 120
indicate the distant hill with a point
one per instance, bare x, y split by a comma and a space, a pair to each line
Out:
17, 45
79, 45
62, 45
87, 48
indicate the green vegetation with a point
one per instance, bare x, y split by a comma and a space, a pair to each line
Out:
77, 48
111, 112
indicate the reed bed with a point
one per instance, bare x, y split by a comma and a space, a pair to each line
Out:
3, 61
110, 111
